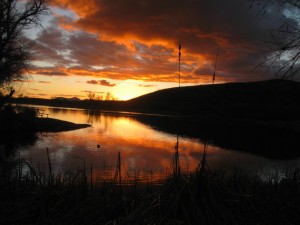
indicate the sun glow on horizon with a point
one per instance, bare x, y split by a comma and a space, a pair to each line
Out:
80, 87
82, 48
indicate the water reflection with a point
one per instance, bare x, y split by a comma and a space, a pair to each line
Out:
257, 139
144, 151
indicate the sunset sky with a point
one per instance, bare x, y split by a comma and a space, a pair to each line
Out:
130, 47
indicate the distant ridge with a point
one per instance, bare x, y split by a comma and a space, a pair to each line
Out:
262, 100
271, 99
73, 99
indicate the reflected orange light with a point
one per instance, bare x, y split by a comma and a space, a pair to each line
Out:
141, 148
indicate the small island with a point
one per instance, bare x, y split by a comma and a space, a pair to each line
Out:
56, 125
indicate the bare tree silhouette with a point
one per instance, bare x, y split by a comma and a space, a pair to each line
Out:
284, 46
91, 95
16, 16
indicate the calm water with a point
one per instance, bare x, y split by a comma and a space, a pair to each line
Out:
145, 151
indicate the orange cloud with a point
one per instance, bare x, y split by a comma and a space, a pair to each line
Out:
82, 8
138, 40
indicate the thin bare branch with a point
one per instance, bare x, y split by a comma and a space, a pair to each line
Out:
15, 17
283, 52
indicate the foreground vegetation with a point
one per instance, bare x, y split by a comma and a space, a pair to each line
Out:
203, 197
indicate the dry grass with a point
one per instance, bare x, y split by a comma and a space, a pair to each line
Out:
203, 197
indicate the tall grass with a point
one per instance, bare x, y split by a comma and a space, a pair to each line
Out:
206, 196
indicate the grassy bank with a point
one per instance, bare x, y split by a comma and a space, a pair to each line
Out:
203, 197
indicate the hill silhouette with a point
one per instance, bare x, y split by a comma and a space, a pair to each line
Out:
257, 117
262, 100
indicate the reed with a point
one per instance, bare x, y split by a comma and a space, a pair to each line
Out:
206, 196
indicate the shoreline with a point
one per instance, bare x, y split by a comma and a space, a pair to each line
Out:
56, 125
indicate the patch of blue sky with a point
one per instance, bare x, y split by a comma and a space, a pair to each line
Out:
48, 19
292, 13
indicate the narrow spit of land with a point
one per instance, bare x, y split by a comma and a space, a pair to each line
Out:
55, 125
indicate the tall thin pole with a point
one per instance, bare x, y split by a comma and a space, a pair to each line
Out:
179, 56
214, 75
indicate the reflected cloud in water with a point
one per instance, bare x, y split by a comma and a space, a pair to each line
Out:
143, 149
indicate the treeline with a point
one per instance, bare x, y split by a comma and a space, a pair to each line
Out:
84, 104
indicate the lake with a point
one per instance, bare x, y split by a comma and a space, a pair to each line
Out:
146, 149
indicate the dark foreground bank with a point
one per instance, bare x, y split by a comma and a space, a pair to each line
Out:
204, 197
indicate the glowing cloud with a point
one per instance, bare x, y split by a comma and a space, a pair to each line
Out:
138, 40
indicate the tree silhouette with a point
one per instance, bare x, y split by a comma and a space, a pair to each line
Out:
16, 16
91, 95
284, 45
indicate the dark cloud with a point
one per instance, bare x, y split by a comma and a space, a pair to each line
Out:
147, 85
212, 21
23, 81
133, 39
44, 82
96, 92
106, 83
92, 82
50, 72
50, 46
101, 82
35, 89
